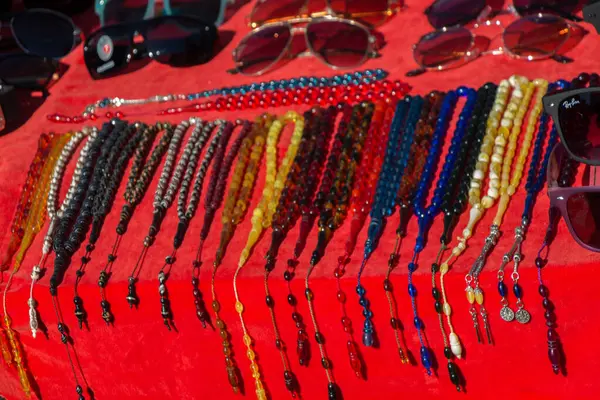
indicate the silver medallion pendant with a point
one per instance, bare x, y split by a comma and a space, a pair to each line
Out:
523, 316
507, 314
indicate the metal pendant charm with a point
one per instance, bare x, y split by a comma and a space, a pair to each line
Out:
507, 314
522, 316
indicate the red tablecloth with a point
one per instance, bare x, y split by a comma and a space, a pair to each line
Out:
138, 358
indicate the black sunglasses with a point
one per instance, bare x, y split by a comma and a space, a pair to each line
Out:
41, 32
576, 114
174, 40
26, 71
447, 13
23, 87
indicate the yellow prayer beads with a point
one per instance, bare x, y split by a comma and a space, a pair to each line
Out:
263, 215
239, 196
509, 187
275, 178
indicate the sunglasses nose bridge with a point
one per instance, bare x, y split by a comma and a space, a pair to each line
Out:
294, 30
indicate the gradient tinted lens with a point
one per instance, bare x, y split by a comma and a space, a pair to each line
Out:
180, 40
584, 217
267, 10
536, 36
443, 48
447, 13
338, 43
373, 12
26, 70
207, 11
44, 33
525, 7
579, 119
117, 11
108, 51
261, 49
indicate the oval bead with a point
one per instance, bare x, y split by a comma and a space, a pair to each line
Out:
447, 309
455, 345
517, 290
502, 289
470, 295
478, 296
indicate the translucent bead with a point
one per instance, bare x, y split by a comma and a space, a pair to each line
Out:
470, 295
447, 309
478, 296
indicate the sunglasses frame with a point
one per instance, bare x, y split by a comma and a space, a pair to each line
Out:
473, 53
370, 51
392, 8
100, 5
512, 9
551, 102
76, 31
34, 86
136, 51
559, 196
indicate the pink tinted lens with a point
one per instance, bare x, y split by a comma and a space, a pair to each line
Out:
536, 36
261, 49
338, 43
579, 119
267, 10
443, 48
584, 217
448, 13
373, 12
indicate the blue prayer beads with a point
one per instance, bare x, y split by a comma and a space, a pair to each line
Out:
424, 214
387, 186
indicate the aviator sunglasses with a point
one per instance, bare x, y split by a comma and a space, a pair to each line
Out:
338, 42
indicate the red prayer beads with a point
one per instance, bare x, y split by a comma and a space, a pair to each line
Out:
24, 204
381, 90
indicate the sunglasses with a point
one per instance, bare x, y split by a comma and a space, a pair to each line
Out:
41, 32
123, 11
371, 12
576, 113
579, 206
449, 13
338, 42
173, 40
530, 38
23, 88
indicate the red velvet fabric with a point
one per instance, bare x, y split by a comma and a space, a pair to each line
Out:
139, 359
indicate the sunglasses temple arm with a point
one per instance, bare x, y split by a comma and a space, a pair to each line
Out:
483, 15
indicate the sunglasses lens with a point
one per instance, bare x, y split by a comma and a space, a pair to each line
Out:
43, 33
117, 11
584, 217
268, 10
443, 48
261, 49
447, 13
180, 41
26, 70
536, 36
525, 7
338, 43
208, 11
108, 50
373, 12
579, 119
